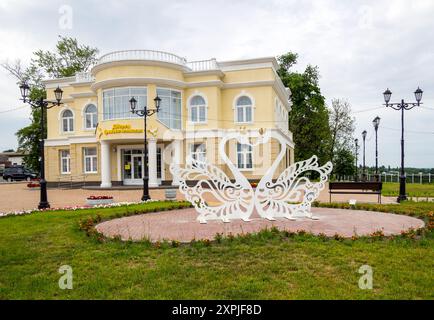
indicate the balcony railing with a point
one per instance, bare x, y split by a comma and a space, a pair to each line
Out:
151, 55
203, 65
84, 77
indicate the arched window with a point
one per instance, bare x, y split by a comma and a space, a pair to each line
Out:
197, 109
91, 116
67, 121
244, 108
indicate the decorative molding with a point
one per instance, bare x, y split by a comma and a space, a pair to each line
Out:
70, 140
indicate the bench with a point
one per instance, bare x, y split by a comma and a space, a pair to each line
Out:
363, 187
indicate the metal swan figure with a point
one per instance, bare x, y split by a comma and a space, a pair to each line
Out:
292, 194
201, 181
216, 197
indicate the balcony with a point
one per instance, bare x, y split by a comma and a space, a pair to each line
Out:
153, 55
81, 77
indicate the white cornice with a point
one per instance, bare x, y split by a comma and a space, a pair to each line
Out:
109, 83
218, 73
69, 140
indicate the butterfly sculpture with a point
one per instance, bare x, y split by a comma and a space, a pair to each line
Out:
216, 197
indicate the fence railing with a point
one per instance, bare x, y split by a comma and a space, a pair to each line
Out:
392, 177
71, 182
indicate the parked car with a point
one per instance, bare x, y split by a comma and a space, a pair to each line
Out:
18, 173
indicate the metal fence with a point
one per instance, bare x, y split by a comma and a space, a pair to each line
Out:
392, 177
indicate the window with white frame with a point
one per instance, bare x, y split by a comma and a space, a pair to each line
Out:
244, 156
197, 109
65, 162
198, 151
170, 108
90, 116
67, 121
244, 109
90, 160
116, 102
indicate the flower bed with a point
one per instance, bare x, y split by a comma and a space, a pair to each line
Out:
99, 200
33, 185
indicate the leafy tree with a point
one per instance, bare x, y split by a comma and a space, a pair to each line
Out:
309, 118
69, 58
341, 126
343, 163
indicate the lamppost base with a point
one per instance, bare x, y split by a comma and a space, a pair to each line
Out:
146, 197
43, 205
402, 198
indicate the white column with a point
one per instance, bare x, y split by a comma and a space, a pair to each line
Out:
176, 145
106, 181
152, 162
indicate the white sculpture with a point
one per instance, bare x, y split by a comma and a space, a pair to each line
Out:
201, 181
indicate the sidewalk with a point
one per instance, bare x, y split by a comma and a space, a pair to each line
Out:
17, 197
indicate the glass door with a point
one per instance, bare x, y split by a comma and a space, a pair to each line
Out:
137, 169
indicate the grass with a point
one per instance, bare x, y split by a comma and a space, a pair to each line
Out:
269, 265
412, 189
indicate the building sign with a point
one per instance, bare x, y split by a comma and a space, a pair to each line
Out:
121, 128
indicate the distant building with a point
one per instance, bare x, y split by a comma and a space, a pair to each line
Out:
12, 158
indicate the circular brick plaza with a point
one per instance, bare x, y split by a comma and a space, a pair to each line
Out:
181, 225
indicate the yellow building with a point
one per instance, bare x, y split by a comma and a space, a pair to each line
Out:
94, 139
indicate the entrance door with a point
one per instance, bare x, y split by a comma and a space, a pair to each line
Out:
137, 169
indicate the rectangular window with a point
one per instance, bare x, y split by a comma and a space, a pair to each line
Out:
116, 102
90, 160
198, 151
244, 156
170, 108
65, 162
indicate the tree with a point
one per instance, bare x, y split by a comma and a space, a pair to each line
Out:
341, 126
9, 150
69, 58
309, 118
343, 164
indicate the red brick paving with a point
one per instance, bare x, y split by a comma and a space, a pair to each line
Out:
182, 225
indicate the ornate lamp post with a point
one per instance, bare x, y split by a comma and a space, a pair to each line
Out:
376, 123
356, 141
402, 106
364, 133
43, 105
145, 113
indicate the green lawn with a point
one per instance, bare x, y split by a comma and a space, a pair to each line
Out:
267, 266
412, 189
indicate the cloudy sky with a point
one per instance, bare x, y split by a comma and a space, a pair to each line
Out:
360, 47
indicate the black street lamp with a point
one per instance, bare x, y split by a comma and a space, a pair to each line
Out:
376, 123
356, 141
402, 106
364, 133
145, 113
43, 105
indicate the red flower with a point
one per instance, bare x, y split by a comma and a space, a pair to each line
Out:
100, 198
